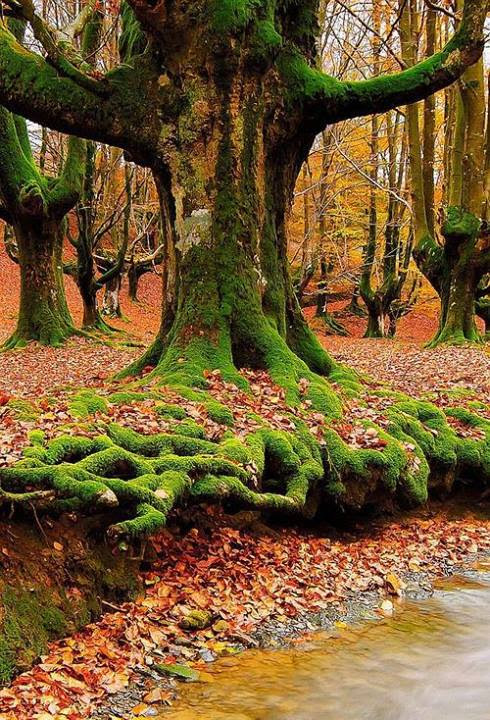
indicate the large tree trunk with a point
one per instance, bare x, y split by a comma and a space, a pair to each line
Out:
111, 305
235, 306
134, 276
43, 310
376, 322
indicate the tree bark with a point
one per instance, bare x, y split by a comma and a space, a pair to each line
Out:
43, 311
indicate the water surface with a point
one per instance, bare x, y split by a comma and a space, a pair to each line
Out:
430, 661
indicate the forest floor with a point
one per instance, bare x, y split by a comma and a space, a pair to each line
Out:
254, 583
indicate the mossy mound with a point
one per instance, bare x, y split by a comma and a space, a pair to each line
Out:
49, 593
86, 403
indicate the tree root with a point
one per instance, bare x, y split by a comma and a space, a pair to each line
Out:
142, 478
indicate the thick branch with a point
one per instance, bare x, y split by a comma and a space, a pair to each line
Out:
55, 50
335, 101
31, 87
68, 187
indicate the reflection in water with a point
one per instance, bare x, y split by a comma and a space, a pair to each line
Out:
430, 662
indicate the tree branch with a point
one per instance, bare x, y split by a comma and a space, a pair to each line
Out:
31, 87
55, 50
329, 101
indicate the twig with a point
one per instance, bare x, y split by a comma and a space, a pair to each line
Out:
38, 523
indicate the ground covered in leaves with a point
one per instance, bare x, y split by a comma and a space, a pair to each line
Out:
235, 579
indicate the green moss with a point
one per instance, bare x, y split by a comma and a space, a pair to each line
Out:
170, 410
232, 15
24, 410
36, 437
305, 82
196, 620
132, 41
85, 403
460, 224
219, 413
30, 621
126, 397
191, 428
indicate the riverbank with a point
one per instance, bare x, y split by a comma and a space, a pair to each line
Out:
250, 586
427, 660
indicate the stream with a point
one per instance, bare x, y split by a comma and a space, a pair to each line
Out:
430, 661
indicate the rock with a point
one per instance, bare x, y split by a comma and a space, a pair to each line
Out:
221, 626
207, 655
196, 620
387, 607
394, 584
180, 671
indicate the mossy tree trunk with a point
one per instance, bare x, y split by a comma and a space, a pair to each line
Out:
456, 267
36, 210
43, 311
36, 206
462, 267
235, 304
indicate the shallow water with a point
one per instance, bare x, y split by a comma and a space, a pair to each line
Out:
429, 661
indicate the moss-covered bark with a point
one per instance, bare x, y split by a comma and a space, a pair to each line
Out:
37, 206
455, 267
460, 276
43, 311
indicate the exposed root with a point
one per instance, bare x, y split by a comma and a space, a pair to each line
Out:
142, 478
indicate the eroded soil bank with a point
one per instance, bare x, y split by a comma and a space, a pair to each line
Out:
55, 578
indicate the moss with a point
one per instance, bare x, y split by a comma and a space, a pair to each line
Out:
126, 397
196, 620
30, 621
219, 413
24, 410
191, 394
305, 82
170, 410
235, 450
460, 224
132, 41
85, 403
191, 428
232, 15
36, 437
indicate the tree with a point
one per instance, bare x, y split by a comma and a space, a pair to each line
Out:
455, 267
384, 303
35, 205
223, 101
93, 223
